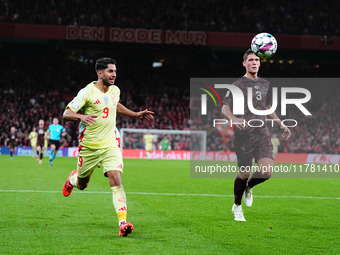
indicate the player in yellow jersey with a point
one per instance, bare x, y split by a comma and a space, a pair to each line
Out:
147, 140
276, 143
46, 142
33, 136
99, 102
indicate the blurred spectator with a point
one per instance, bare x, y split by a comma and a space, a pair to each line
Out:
319, 17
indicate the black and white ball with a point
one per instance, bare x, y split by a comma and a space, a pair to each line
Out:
264, 45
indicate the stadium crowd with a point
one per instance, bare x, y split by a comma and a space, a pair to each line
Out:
44, 95
27, 96
285, 17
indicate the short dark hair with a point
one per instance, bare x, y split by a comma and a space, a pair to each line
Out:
102, 63
248, 52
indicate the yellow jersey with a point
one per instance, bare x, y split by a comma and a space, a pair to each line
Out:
276, 143
90, 100
148, 139
33, 136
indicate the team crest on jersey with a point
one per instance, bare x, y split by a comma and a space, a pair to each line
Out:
106, 100
114, 100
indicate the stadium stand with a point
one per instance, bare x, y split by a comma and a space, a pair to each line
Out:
284, 17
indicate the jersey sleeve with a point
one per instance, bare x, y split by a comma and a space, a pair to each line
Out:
228, 98
269, 97
78, 102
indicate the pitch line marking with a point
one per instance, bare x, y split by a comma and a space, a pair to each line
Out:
163, 194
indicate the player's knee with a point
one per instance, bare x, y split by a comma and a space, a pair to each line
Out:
244, 172
267, 174
244, 176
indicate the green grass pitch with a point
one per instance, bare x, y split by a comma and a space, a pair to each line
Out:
172, 213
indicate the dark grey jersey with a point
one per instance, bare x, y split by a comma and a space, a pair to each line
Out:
261, 98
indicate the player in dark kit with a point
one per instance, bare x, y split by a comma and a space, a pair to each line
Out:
251, 142
41, 130
12, 141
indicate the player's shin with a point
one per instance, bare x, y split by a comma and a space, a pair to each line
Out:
239, 187
119, 202
256, 179
52, 153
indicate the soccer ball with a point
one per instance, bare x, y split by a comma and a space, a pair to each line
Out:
264, 45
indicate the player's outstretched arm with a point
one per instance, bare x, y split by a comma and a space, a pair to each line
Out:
237, 122
87, 119
286, 134
145, 114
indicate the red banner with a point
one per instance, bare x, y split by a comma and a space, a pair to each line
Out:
231, 156
156, 36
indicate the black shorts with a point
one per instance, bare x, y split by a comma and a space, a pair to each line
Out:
41, 143
56, 143
12, 145
247, 149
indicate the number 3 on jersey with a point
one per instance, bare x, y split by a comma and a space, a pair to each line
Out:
106, 112
258, 95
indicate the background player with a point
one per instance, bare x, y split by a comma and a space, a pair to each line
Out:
33, 136
13, 139
276, 143
55, 131
42, 134
117, 134
147, 140
165, 146
98, 143
251, 142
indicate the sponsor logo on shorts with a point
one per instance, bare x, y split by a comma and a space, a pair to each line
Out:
122, 200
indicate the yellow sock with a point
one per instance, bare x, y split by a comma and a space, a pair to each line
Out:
119, 202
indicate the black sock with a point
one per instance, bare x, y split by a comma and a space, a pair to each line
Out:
256, 179
11, 153
41, 156
239, 187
